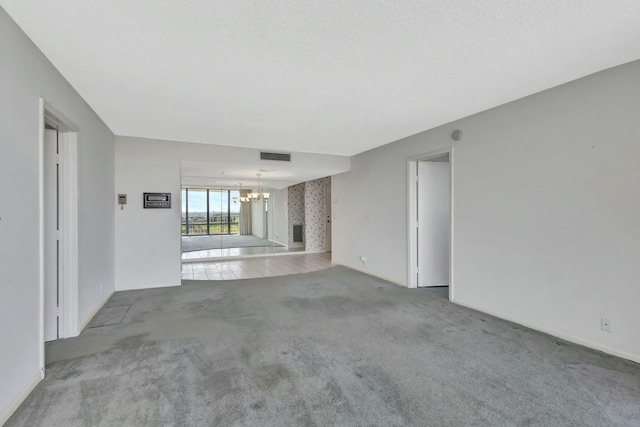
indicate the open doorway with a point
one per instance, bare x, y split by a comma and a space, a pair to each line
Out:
58, 227
433, 222
230, 221
430, 219
254, 218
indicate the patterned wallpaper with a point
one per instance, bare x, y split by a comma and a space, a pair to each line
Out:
296, 211
314, 213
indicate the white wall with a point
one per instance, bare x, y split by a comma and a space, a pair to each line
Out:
148, 240
26, 75
276, 227
278, 216
257, 218
546, 208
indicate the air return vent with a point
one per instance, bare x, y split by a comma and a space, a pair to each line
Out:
279, 157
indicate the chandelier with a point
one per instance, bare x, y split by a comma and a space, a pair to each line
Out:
242, 199
260, 194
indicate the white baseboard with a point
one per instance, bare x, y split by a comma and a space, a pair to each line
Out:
15, 403
94, 312
566, 337
395, 282
280, 243
570, 338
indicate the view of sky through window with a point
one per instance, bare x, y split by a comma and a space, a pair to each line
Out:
218, 200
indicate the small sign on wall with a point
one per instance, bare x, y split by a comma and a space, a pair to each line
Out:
157, 200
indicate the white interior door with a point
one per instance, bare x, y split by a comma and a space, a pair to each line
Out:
433, 223
51, 242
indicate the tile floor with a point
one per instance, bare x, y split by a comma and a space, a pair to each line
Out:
221, 253
252, 268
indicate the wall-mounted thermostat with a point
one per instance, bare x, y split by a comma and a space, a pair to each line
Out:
157, 200
122, 200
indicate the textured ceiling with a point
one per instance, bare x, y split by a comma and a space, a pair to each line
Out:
330, 76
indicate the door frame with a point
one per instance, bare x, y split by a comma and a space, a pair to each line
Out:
412, 215
68, 214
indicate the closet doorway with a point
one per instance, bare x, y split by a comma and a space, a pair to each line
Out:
58, 227
430, 220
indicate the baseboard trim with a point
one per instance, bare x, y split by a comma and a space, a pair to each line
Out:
149, 286
395, 282
94, 312
15, 403
573, 339
280, 243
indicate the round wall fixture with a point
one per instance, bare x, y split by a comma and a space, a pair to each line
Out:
456, 135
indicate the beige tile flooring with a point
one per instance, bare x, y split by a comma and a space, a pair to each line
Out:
227, 252
252, 268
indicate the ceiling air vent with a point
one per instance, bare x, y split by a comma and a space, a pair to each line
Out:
279, 157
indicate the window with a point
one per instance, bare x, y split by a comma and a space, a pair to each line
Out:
210, 211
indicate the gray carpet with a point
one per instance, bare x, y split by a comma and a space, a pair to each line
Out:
201, 243
334, 347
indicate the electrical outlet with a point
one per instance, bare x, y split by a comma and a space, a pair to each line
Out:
605, 324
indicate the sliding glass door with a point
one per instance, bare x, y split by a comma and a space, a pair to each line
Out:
210, 211
219, 212
196, 212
